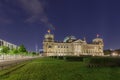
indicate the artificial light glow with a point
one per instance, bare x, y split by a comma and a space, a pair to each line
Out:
49, 31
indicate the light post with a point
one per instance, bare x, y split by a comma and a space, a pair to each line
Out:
0, 50
2, 54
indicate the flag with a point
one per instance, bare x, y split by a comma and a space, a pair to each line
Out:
98, 35
48, 30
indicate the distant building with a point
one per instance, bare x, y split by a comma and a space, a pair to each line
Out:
114, 53
71, 46
8, 44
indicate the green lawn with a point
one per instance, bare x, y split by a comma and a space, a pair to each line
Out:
53, 69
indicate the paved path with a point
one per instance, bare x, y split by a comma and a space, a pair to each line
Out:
7, 63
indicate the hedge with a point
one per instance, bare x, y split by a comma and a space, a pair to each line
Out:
104, 62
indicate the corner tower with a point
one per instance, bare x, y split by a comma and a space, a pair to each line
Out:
48, 44
99, 45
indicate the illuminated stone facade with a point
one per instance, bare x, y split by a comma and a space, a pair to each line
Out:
8, 44
71, 46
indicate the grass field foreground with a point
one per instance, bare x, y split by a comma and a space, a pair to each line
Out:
53, 69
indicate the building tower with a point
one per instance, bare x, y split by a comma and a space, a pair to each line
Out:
48, 44
99, 45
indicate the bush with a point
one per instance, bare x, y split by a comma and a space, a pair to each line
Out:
61, 57
104, 62
74, 58
71, 58
58, 57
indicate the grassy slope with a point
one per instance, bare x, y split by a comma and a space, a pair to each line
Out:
49, 69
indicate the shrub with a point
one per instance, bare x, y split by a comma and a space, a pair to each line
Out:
74, 58
104, 62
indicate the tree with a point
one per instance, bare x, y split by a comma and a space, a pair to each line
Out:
22, 49
117, 50
5, 49
14, 51
33, 53
108, 52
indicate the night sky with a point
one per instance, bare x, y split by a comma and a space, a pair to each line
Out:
27, 21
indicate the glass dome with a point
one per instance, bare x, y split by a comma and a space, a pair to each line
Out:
98, 40
66, 39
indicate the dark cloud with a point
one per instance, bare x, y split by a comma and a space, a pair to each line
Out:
30, 11
34, 9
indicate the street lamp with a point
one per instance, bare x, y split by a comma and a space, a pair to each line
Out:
1, 51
